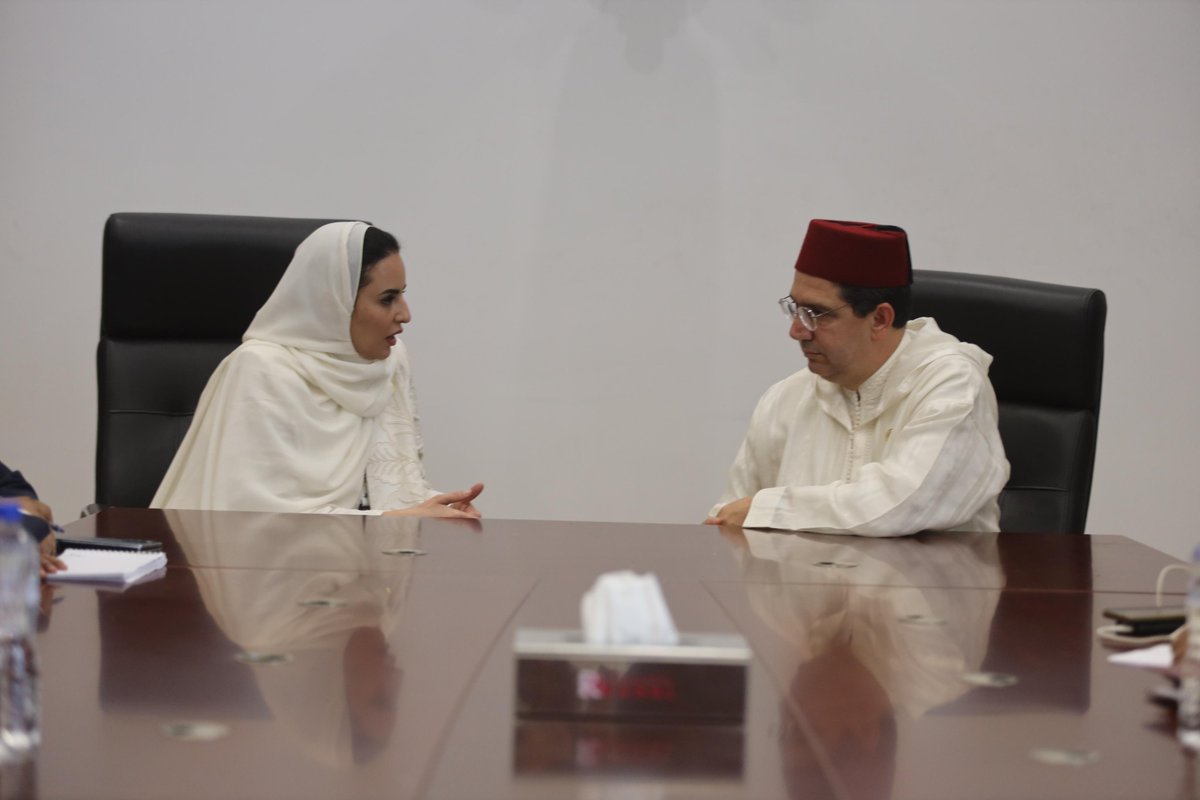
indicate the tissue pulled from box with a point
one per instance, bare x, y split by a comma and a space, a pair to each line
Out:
627, 608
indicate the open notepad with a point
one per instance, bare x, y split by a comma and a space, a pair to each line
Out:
107, 566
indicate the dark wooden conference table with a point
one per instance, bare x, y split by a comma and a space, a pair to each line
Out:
396, 672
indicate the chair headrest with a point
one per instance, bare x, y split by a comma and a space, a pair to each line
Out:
1047, 340
192, 276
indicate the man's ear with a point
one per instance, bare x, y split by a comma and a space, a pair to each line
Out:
882, 317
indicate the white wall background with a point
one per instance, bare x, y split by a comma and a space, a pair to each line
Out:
600, 201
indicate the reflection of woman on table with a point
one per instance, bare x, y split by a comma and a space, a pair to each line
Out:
315, 411
872, 641
337, 695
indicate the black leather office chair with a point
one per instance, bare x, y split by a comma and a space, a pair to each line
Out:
177, 292
1048, 344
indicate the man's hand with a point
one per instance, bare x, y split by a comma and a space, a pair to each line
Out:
733, 514
35, 507
48, 550
455, 505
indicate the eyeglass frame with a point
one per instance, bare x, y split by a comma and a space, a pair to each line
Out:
807, 317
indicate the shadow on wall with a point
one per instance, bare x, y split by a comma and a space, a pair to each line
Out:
647, 27
631, 211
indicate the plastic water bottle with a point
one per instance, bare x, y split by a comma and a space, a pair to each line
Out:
20, 731
1188, 712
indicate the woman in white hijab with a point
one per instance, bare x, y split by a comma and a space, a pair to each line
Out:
314, 411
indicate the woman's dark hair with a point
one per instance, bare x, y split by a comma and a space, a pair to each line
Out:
864, 300
377, 245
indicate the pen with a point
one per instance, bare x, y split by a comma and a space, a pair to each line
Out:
54, 526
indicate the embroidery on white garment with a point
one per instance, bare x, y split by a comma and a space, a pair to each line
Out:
395, 475
855, 417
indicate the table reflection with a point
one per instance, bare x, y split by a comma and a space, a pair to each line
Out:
873, 640
336, 694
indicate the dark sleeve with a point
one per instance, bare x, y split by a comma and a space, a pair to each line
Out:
36, 527
13, 484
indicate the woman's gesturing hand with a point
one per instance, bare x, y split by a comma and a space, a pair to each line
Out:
451, 504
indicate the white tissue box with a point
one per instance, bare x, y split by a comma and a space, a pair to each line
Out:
700, 680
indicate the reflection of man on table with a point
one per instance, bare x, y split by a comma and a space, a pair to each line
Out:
892, 429
874, 646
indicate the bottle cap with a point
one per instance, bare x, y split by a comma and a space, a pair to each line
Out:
10, 511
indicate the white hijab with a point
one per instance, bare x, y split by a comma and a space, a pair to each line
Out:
287, 419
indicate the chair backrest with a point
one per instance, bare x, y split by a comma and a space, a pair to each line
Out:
1047, 342
177, 292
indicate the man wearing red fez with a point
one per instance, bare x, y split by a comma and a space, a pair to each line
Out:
892, 429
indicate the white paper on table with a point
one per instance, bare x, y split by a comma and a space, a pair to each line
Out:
1159, 656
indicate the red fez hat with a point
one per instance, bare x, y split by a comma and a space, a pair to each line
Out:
856, 254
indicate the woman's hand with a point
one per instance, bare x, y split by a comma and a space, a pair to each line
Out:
456, 505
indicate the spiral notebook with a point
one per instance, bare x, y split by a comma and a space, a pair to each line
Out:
107, 566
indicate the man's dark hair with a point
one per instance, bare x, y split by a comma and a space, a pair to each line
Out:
863, 300
377, 245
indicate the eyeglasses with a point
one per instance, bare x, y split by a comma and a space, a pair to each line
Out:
808, 318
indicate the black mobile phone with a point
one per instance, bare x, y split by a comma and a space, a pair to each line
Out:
102, 543
1151, 621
